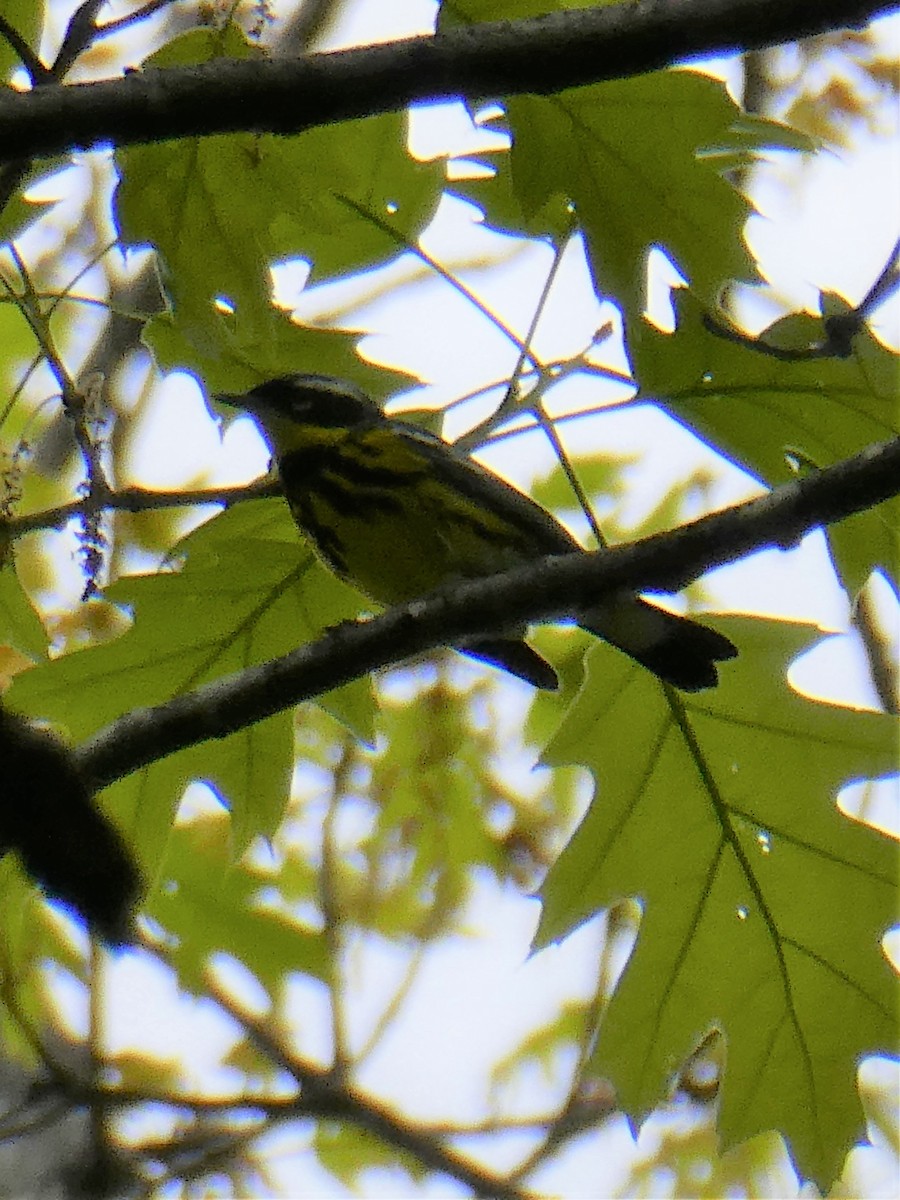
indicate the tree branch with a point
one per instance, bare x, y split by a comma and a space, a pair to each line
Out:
136, 500
547, 589
502, 58
323, 1095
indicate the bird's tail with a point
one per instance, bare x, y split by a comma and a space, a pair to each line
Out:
515, 656
677, 650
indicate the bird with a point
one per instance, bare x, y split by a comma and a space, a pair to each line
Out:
397, 512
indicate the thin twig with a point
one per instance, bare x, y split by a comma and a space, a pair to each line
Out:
136, 500
439, 269
839, 328
882, 663
324, 1097
509, 404
37, 72
140, 14
79, 35
331, 912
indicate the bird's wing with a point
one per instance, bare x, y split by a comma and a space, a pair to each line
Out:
538, 528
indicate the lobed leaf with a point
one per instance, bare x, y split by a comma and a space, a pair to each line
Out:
764, 906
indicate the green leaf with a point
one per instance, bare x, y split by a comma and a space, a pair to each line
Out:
768, 415
240, 350
17, 345
348, 1150
249, 591
246, 200
25, 16
430, 786
428, 791
612, 156
600, 476
31, 935
211, 903
541, 1048
764, 906
20, 626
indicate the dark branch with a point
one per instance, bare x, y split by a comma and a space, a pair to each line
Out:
547, 589
840, 329
37, 72
79, 34
503, 58
323, 1095
883, 666
136, 500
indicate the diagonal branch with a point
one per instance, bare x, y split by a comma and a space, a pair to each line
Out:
325, 1096
544, 590
539, 55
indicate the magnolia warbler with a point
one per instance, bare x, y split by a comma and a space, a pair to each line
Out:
397, 512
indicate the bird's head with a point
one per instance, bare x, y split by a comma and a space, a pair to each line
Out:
294, 402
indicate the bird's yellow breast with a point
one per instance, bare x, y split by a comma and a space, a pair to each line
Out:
384, 518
